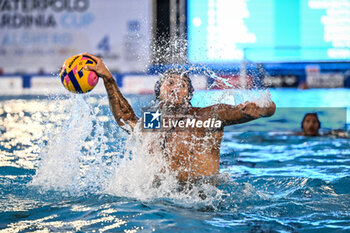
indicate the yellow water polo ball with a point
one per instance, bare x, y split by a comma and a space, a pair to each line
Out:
75, 78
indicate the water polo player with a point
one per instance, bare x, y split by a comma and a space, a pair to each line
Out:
311, 127
193, 152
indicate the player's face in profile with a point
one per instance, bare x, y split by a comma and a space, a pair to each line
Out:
174, 90
311, 125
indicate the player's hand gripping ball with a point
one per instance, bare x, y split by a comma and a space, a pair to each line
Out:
75, 78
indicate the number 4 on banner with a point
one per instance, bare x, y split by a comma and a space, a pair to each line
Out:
104, 44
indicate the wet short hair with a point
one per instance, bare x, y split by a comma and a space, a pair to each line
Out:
310, 114
174, 71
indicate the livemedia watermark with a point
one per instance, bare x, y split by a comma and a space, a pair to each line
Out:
164, 121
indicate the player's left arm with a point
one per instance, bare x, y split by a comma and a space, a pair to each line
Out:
230, 114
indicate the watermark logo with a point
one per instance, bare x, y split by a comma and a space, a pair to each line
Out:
152, 120
190, 123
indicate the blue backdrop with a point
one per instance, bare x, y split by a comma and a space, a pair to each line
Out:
268, 30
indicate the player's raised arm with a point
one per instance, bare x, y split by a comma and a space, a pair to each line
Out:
121, 109
230, 114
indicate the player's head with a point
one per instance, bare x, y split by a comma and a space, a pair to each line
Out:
310, 124
174, 87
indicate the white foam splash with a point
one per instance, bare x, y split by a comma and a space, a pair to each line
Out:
59, 167
76, 162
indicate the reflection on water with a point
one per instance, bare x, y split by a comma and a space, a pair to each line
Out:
70, 147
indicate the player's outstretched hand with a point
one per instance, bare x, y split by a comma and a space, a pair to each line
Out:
253, 111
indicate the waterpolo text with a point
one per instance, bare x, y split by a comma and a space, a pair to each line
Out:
16, 14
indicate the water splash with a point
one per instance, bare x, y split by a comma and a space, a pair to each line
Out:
221, 88
146, 176
59, 167
76, 161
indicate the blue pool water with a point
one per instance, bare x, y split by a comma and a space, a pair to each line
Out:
65, 167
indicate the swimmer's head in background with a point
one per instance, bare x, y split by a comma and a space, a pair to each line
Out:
311, 124
174, 71
310, 114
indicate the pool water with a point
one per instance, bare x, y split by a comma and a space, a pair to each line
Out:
65, 166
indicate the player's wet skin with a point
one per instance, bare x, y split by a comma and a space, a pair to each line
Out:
192, 152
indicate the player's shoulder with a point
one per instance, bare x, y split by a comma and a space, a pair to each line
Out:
198, 110
212, 108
